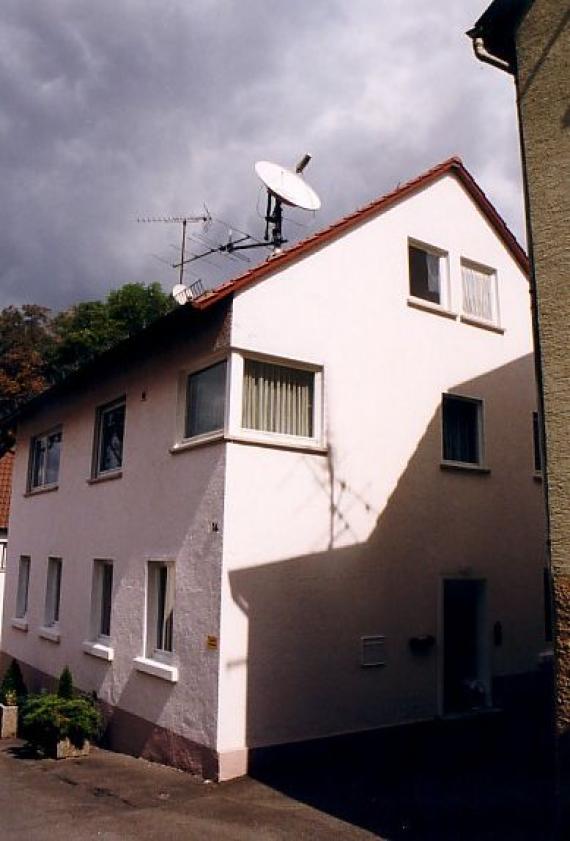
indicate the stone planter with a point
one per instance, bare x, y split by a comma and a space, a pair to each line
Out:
8, 721
64, 749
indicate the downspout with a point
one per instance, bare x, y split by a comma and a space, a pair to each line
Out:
483, 54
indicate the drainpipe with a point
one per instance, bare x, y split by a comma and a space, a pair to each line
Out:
483, 54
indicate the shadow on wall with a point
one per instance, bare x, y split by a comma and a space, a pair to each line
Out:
306, 615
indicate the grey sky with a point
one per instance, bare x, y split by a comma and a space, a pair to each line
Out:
115, 109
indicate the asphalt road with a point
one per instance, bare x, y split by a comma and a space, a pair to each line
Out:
112, 797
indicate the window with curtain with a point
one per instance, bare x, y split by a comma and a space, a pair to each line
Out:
101, 599
278, 399
45, 455
425, 274
53, 592
206, 400
110, 433
478, 293
160, 608
462, 428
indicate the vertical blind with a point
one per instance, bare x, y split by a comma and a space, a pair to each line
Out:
477, 293
277, 399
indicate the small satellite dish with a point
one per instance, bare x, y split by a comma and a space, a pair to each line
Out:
181, 293
287, 186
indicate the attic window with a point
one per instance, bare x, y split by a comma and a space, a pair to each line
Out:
426, 268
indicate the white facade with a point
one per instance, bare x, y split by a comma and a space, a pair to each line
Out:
294, 556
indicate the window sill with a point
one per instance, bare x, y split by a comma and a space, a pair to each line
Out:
98, 649
282, 442
197, 441
479, 322
52, 633
537, 477
428, 306
44, 489
19, 624
464, 466
105, 477
156, 669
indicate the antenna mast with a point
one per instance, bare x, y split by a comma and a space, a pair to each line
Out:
205, 218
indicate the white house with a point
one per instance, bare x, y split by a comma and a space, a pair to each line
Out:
306, 504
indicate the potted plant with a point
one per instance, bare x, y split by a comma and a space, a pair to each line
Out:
60, 725
12, 693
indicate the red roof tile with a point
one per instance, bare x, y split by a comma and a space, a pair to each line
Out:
6, 463
453, 166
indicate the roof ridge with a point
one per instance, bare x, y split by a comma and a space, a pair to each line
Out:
453, 165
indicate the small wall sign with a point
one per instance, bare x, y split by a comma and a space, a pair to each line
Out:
211, 643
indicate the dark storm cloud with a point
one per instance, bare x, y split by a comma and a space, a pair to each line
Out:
118, 109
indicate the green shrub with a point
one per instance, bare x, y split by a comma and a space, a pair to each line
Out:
46, 719
13, 685
65, 685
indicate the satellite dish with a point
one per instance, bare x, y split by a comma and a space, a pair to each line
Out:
181, 293
287, 186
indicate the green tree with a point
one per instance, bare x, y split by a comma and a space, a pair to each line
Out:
65, 684
26, 342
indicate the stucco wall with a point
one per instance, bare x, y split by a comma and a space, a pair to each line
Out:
162, 507
320, 549
543, 51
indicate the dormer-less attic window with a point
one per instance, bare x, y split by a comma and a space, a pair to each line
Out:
427, 269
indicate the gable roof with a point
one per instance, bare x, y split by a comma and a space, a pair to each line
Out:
6, 463
453, 166
190, 315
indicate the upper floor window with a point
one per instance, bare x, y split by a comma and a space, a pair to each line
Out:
277, 398
479, 287
206, 400
462, 427
44, 459
428, 279
109, 434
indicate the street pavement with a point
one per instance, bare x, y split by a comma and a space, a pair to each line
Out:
111, 797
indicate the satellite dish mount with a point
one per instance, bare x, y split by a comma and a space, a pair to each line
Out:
284, 187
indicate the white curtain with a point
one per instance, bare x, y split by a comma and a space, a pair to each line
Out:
277, 399
432, 262
477, 293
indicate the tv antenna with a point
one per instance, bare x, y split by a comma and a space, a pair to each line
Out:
205, 218
284, 187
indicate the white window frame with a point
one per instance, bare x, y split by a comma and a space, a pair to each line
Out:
100, 413
181, 442
152, 651
470, 318
42, 484
238, 432
444, 276
480, 404
100, 566
23, 588
52, 608
3, 553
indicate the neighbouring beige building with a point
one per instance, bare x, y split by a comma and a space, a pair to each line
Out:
531, 40
308, 503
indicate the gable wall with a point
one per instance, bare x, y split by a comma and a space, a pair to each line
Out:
304, 582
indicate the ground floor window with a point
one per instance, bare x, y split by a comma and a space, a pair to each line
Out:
160, 609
